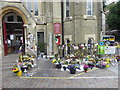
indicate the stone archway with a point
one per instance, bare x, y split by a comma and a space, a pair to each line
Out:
16, 10
9, 9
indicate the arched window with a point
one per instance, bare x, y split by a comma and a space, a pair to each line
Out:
10, 18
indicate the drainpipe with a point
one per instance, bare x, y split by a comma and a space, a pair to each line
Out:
62, 22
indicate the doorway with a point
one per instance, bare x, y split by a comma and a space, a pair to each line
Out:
41, 44
13, 33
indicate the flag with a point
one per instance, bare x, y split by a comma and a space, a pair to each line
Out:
57, 40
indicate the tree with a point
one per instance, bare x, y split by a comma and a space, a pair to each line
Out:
113, 18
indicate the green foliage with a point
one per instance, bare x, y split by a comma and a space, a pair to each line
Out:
117, 35
113, 18
56, 56
108, 7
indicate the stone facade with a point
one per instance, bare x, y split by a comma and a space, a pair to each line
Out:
78, 27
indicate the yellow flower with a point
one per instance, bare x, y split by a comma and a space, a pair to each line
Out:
54, 61
20, 59
108, 59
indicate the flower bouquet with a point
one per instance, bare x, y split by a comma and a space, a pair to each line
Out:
29, 66
25, 56
58, 66
24, 66
85, 67
72, 69
66, 63
15, 69
54, 61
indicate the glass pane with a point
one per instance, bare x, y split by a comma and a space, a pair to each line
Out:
19, 19
67, 13
89, 7
36, 7
67, 8
10, 18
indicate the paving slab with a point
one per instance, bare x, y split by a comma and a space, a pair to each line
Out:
100, 78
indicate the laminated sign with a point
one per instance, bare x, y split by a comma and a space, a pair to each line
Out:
110, 50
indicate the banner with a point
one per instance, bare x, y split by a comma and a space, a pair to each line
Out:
106, 50
110, 49
57, 28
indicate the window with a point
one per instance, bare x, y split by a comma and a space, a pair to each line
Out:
19, 19
89, 7
10, 18
67, 8
36, 7
41, 44
33, 7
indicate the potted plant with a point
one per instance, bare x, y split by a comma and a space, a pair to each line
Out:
85, 67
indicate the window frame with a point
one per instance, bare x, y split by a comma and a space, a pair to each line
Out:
89, 12
67, 8
8, 18
36, 1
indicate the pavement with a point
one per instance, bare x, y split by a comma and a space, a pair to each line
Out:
45, 75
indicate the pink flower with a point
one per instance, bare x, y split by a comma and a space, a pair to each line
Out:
85, 66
